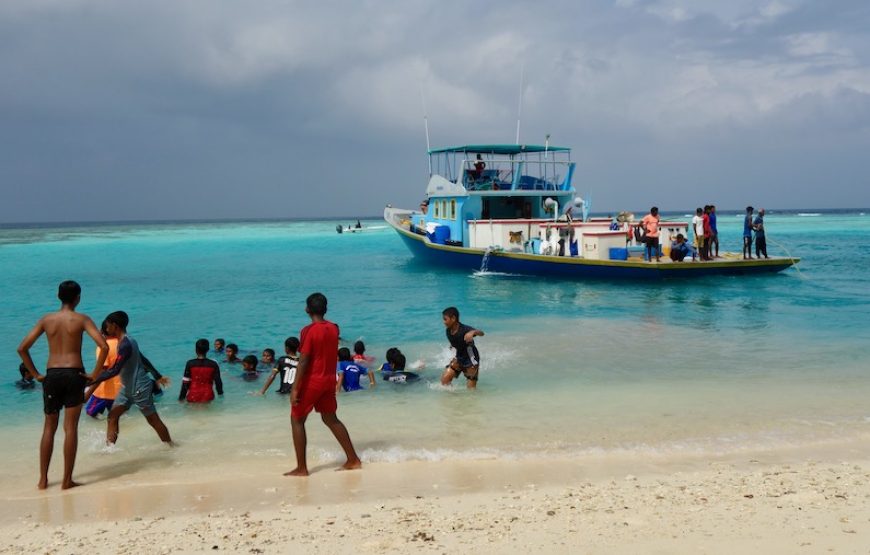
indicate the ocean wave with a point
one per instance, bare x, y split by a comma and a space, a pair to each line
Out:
701, 447
809, 214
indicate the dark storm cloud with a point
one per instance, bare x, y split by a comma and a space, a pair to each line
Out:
200, 109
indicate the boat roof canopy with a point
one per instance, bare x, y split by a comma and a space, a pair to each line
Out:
509, 150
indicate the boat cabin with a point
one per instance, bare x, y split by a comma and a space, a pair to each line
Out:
471, 183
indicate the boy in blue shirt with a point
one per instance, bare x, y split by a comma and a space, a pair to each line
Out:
349, 372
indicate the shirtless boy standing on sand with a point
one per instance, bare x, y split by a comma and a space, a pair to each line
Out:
63, 384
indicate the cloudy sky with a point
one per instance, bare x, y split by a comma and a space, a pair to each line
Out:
201, 109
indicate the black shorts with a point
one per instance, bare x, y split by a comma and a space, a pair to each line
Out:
63, 387
466, 367
652, 242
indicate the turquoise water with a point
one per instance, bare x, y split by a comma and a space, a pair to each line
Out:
714, 365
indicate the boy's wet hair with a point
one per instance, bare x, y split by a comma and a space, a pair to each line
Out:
398, 361
359, 348
391, 353
232, 347
344, 355
220, 340
699, 210
316, 304
451, 311
119, 318
201, 346
270, 351
291, 344
68, 291
250, 360
749, 209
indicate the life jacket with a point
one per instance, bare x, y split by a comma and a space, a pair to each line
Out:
201, 380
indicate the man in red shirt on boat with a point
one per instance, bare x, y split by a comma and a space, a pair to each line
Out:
650, 224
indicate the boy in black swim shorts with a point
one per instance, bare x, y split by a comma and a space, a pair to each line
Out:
461, 338
64, 380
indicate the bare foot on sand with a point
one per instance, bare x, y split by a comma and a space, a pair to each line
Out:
350, 465
297, 472
70, 485
43, 484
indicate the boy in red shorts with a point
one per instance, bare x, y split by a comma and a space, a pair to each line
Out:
314, 387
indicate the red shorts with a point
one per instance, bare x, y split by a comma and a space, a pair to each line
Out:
320, 398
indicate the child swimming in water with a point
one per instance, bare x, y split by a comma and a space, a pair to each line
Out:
232, 351
267, 361
359, 354
285, 367
349, 372
394, 369
461, 338
202, 376
249, 368
27, 381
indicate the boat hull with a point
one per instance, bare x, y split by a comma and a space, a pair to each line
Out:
579, 268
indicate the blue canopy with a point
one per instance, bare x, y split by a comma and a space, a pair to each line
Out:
509, 150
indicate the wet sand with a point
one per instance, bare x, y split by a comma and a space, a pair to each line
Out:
798, 501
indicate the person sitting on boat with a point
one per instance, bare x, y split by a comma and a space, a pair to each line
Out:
650, 225
680, 249
424, 206
479, 166
358, 224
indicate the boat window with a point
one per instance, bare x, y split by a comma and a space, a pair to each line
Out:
453, 209
437, 214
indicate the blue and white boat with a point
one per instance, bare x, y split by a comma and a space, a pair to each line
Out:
514, 209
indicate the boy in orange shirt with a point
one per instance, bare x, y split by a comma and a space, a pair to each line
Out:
106, 392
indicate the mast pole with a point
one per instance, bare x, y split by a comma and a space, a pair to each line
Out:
520, 105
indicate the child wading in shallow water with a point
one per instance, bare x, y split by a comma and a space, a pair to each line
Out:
314, 387
461, 338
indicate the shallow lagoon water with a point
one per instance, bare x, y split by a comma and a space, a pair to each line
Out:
717, 365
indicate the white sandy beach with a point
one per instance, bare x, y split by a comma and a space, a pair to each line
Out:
785, 502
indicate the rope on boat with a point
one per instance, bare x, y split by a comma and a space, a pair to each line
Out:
790, 257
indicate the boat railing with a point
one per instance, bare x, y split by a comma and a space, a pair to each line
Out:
516, 175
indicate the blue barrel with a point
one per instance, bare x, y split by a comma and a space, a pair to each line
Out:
441, 234
617, 253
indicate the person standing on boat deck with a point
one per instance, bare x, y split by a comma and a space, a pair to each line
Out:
63, 384
650, 224
708, 232
714, 233
747, 234
760, 239
698, 231
461, 338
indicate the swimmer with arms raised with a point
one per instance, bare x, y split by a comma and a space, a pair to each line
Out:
64, 381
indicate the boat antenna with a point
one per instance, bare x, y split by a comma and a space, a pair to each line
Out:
426, 127
520, 106
546, 145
